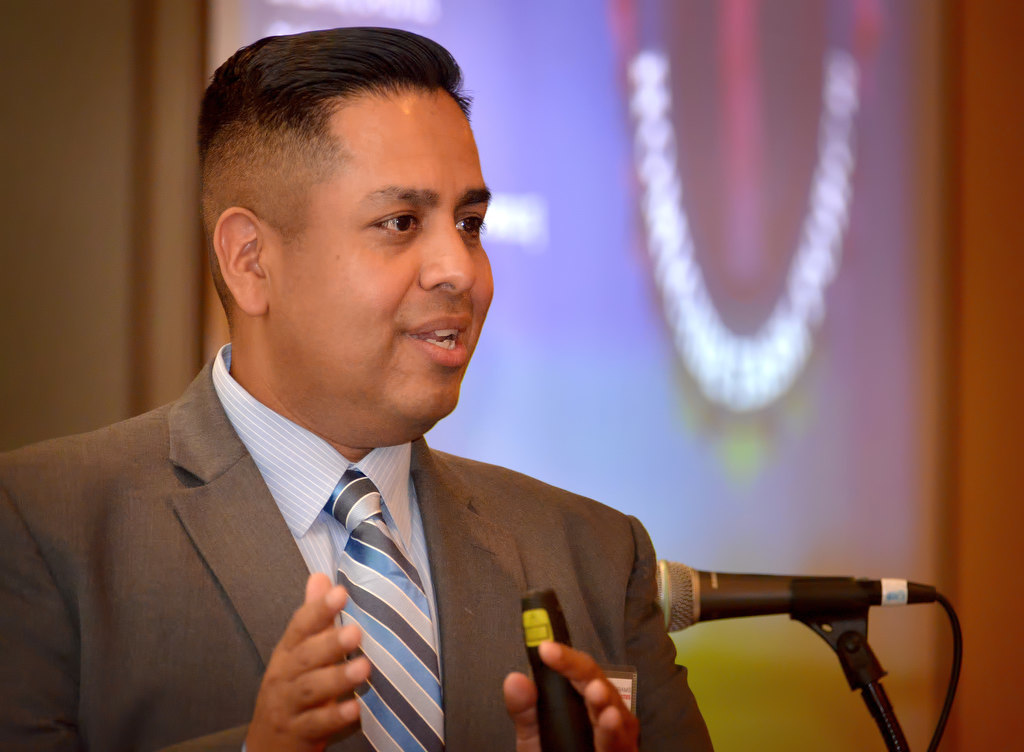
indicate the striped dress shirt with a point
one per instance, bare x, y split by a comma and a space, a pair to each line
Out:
301, 470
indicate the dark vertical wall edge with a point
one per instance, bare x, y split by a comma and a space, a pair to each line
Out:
949, 382
202, 300
140, 269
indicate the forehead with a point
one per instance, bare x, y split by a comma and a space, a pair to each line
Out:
412, 138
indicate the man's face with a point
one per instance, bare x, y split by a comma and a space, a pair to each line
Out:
375, 308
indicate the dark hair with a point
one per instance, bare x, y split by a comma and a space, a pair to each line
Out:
267, 110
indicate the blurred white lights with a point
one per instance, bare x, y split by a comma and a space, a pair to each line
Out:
413, 11
742, 373
519, 219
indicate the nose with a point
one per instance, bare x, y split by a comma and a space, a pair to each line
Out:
449, 263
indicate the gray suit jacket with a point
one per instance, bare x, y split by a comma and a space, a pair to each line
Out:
146, 575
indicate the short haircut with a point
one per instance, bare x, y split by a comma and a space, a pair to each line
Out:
264, 124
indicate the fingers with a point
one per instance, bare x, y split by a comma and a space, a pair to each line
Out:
521, 704
323, 648
321, 722
311, 642
317, 613
574, 665
326, 684
317, 586
615, 728
307, 691
314, 667
520, 696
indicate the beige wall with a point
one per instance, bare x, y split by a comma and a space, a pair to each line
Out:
100, 249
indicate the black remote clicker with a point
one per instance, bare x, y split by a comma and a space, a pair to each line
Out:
561, 713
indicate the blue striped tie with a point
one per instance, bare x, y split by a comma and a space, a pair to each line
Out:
400, 708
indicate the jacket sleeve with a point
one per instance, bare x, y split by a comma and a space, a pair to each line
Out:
40, 649
229, 740
667, 710
38, 646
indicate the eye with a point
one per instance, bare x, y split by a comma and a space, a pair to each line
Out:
402, 224
472, 226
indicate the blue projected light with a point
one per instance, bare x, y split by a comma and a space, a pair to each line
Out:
708, 310
605, 133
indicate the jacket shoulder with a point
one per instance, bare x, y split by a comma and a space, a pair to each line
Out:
131, 443
515, 495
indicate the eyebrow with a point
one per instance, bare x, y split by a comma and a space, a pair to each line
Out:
475, 196
426, 198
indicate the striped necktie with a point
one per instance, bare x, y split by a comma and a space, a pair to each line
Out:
400, 706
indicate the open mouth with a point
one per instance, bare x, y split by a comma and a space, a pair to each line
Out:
445, 338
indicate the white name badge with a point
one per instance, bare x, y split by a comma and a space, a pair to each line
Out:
623, 678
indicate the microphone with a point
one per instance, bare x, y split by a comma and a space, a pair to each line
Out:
688, 596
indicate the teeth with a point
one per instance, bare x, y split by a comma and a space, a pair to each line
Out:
447, 344
445, 338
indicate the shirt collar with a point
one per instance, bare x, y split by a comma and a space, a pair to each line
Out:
300, 468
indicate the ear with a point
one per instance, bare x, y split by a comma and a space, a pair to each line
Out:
238, 240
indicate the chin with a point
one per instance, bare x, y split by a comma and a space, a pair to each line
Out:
427, 412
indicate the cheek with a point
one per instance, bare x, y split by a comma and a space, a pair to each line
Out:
483, 289
363, 318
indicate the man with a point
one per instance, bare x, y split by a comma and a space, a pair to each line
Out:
171, 579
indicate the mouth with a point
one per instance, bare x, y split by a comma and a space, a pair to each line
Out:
443, 338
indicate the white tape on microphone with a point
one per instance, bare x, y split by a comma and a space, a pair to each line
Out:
894, 592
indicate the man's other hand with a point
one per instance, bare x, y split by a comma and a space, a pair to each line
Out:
306, 694
615, 728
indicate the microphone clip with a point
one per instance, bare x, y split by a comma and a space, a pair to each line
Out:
846, 632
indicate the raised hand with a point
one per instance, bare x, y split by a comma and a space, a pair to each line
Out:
306, 694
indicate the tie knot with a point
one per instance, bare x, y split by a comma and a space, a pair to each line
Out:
354, 500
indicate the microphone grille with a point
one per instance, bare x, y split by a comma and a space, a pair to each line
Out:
678, 595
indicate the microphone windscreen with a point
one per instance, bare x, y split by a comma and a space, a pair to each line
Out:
678, 595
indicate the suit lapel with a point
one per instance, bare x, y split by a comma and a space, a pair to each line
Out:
232, 519
478, 581
237, 528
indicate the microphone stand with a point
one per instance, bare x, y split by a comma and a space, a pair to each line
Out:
847, 634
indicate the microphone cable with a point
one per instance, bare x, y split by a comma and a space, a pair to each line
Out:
678, 597
954, 673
